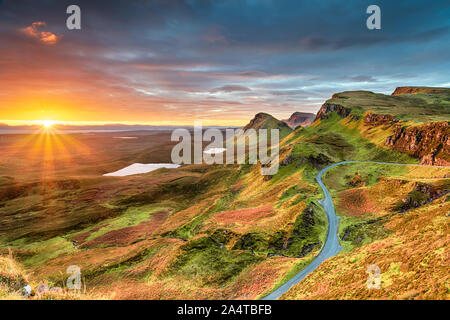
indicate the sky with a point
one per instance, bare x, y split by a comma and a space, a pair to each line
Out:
219, 62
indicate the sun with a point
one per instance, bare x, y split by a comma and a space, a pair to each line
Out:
47, 123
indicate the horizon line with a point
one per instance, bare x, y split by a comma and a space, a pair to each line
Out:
56, 123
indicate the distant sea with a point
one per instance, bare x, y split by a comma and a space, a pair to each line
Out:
65, 129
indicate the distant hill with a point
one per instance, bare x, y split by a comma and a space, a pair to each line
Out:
300, 119
266, 121
415, 90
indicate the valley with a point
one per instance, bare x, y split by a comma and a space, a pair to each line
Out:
227, 232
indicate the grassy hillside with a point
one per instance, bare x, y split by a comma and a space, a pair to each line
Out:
266, 121
394, 218
14, 279
212, 231
418, 108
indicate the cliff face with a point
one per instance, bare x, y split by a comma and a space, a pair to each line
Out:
429, 142
300, 119
415, 90
327, 108
379, 119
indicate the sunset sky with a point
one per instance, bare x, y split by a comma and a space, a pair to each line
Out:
173, 62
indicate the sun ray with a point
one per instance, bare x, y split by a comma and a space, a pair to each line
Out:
48, 151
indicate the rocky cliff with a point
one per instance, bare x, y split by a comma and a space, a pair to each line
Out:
328, 108
303, 119
429, 142
415, 90
375, 119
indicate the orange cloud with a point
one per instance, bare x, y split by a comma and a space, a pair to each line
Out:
44, 36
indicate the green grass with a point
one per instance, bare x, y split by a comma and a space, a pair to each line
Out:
207, 259
295, 193
330, 142
418, 108
348, 144
131, 217
308, 232
43, 251
191, 228
364, 229
118, 268
359, 231
318, 233
210, 263
298, 267
266, 121
336, 179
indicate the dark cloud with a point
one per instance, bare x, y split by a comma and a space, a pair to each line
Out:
251, 74
312, 43
230, 88
360, 78
157, 56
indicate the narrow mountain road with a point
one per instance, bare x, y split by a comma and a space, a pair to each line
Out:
332, 246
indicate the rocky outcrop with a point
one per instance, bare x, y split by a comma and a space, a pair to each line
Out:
328, 108
429, 142
303, 119
265, 121
421, 194
318, 161
415, 90
379, 119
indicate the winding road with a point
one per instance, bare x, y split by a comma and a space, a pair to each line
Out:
332, 246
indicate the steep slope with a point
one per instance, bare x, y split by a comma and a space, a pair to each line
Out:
417, 108
13, 280
303, 119
266, 121
429, 142
213, 231
416, 124
392, 218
